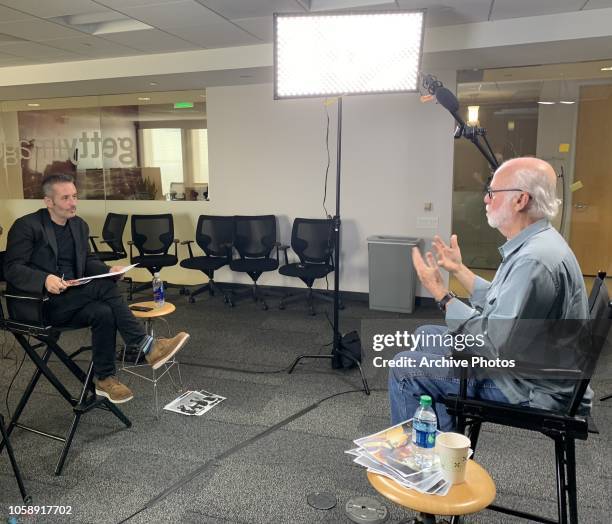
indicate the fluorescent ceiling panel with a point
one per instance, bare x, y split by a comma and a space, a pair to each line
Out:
337, 54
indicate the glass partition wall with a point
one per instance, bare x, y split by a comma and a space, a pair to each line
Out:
151, 146
560, 113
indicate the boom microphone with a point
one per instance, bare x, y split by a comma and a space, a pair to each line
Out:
447, 100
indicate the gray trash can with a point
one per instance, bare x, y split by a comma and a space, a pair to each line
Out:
392, 275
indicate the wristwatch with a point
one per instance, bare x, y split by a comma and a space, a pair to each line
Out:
445, 300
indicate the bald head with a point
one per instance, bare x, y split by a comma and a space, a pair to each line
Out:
536, 177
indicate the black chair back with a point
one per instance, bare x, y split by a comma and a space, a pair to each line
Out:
312, 239
254, 236
152, 234
215, 234
112, 232
600, 310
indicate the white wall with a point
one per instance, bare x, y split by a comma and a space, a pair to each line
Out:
269, 156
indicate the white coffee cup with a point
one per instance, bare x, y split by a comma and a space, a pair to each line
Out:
453, 450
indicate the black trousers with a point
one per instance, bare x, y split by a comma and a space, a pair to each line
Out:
98, 305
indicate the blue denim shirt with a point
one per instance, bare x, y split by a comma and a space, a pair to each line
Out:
537, 283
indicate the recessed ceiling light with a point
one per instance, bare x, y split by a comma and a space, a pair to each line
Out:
144, 98
152, 83
609, 68
32, 104
567, 102
546, 103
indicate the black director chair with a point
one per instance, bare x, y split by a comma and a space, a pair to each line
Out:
25, 321
152, 235
563, 427
4, 440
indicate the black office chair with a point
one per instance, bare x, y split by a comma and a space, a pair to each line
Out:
25, 320
312, 240
112, 236
254, 240
152, 235
563, 427
215, 236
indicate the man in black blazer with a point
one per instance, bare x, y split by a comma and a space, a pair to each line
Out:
46, 252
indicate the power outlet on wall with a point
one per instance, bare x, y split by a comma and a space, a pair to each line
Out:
427, 222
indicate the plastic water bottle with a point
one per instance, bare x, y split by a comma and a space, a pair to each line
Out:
424, 425
158, 291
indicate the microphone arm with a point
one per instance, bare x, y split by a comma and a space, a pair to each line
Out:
473, 133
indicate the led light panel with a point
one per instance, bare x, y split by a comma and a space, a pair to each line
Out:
337, 54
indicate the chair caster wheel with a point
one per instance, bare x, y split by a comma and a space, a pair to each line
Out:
265, 307
281, 306
192, 300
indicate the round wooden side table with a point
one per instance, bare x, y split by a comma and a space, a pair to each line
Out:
138, 370
475, 494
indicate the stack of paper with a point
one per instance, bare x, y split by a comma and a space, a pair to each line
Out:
390, 453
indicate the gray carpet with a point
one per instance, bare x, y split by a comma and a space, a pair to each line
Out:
256, 456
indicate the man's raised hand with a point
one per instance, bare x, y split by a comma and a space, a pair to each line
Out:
448, 257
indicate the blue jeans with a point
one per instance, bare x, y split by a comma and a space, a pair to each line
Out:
406, 384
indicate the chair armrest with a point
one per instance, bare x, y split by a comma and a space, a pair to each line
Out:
188, 244
28, 309
277, 245
284, 248
93, 243
524, 417
176, 242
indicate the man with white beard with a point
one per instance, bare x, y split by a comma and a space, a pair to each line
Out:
538, 281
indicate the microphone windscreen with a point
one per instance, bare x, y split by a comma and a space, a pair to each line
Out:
447, 99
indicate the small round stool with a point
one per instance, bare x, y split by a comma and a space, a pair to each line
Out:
475, 494
149, 317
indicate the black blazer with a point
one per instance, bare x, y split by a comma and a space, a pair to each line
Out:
31, 252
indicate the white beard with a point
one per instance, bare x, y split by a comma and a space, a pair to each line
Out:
499, 217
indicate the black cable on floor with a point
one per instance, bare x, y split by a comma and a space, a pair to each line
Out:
214, 462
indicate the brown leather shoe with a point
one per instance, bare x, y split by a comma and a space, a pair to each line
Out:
113, 390
165, 348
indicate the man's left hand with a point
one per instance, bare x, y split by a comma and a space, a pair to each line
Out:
429, 273
117, 268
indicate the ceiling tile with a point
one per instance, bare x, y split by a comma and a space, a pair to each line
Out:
455, 13
33, 50
10, 15
120, 4
598, 4
252, 8
94, 47
262, 27
37, 30
223, 34
151, 41
523, 8
51, 8
16, 61
184, 12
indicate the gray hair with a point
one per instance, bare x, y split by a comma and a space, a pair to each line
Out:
56, 178
543, 202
